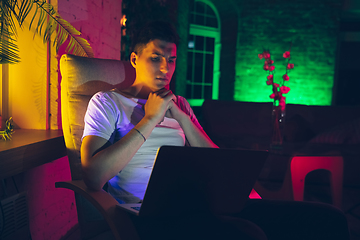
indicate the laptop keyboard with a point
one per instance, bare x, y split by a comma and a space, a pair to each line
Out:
136, 208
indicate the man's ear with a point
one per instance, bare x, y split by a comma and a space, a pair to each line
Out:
133, 59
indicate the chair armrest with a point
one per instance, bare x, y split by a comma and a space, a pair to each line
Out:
118, 220
100, 199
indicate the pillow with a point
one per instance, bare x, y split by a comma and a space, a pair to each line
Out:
297, 129
346, 133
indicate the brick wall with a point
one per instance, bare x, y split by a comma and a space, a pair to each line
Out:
311, 26
99, 23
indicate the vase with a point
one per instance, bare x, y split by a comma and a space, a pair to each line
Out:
278, 122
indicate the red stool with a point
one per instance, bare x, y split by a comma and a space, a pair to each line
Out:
302, 165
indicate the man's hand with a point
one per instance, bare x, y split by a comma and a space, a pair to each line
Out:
174, 111
158, 104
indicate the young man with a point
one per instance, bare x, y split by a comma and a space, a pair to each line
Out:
125, 127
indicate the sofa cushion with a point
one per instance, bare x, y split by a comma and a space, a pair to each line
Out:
345, 133
237, 119
297, 129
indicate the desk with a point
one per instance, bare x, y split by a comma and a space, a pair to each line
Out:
29, 149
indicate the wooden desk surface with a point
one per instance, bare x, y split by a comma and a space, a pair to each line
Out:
29, 149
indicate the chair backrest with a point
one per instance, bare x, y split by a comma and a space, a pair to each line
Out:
81, 79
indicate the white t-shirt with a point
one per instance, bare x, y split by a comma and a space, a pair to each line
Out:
111, 115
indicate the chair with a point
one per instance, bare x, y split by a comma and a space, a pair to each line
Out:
98, 216
302, 165
294, 180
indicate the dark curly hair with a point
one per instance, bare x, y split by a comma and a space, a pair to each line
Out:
162, 30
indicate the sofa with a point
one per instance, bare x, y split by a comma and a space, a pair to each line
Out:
308, 130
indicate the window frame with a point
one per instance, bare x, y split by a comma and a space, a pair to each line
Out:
206, 31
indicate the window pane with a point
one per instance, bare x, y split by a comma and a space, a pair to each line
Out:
197, 92
199, 19
208, 92
198, 67
189, 66
210, 17
188, 91
209, 11
210, 44
211, 22
199, 43
209, 68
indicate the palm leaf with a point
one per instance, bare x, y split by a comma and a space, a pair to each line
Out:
8, 48
50, 21
6, 12
24, 10
8, 52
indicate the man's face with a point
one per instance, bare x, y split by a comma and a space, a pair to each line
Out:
155, 65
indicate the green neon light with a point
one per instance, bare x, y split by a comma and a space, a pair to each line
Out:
195, 102
310, 82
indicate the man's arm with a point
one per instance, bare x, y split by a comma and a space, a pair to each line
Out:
195, 135
101, 161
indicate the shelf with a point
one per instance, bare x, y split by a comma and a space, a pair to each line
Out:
29, 149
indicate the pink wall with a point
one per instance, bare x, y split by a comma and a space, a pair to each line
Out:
52, 212
99, 23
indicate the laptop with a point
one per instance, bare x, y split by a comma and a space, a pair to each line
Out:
194, 180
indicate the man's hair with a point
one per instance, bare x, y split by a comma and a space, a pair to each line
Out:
161, 30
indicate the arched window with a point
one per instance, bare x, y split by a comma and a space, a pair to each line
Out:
203, 58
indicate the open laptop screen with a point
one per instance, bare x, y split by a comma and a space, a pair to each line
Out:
191, 180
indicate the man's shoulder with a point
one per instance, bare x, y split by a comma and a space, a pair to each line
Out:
110, 94
181, 99
183, 103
